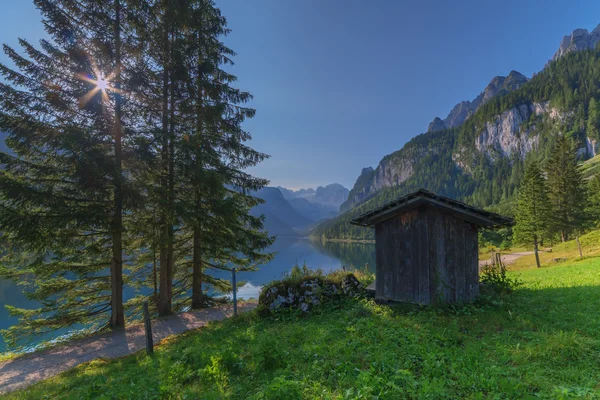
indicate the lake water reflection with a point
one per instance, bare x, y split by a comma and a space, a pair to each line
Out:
288, 252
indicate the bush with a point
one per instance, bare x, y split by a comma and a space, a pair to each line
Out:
494, 278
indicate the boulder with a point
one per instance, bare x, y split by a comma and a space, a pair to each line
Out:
306, 293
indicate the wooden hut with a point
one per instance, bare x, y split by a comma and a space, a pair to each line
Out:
426, 248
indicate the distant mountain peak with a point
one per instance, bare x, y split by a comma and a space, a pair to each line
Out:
333, 194
579, 39
463, 110
366, 170
436, 125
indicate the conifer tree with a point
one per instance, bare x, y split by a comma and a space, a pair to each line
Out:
594, 200
215, 193
593, 120
61, 193
566, 189
533, 209
199, 198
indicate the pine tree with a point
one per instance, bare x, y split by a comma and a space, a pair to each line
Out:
593, 120
199, 199
566, 189
216, 189
61, 194
594, 200
533, 209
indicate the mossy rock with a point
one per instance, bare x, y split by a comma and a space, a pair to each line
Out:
306, 293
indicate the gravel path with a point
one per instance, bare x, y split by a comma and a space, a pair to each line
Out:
28, 369
508, 258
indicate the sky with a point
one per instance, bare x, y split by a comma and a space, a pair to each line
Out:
339, 84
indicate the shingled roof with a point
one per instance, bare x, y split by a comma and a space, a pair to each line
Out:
422, 197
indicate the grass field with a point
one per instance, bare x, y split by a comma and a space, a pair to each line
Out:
541, 341
590, 244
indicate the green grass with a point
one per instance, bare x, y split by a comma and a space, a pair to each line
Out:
541, 341
590, 246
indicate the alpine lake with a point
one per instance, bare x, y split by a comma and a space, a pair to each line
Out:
328, 256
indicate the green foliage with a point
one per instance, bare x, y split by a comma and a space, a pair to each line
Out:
172, 198
593, 120
495, 277
566, 189
539, 342
533, 215
297, 273
500, 238
593, 208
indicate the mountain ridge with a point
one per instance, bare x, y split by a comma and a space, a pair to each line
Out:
481, 160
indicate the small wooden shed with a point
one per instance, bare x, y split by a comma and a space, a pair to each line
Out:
427, 248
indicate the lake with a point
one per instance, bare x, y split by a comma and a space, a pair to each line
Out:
288, 252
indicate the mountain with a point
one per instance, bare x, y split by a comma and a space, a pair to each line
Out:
579, 39
334, 195
463, 110
330, 196
481, 160
313, 211
302, 193
281, 218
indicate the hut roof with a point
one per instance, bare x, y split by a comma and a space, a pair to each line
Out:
424, 197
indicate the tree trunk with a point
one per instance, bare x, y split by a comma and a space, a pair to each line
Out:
535, 250
171, 205
579, 246
197, 295
117, 319
164, 291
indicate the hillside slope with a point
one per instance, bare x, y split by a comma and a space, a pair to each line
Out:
482, 161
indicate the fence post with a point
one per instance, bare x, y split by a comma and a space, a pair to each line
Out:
148, 328
234, 284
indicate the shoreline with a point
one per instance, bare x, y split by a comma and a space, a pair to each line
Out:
363, 241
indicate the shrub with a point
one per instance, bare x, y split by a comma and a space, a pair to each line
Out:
495, 278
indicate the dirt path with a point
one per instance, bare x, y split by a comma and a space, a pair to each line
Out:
508, 258
28, 369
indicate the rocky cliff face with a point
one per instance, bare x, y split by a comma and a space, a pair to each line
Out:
463, 110
393, 170
580, 39
505, 136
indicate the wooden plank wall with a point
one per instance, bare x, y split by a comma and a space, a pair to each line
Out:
424, 256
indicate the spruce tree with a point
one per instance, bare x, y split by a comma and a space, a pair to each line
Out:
199, 198
594, 200
215, 193
61, 193
533, 209
593, 120
566, 189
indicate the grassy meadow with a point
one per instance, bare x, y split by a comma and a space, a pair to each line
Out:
541, 341
562, 253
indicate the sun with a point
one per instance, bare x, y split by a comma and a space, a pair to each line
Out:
102, 84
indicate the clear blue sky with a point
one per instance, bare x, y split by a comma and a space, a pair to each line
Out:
339, 84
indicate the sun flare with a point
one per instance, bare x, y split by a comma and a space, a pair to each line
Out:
102, 83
